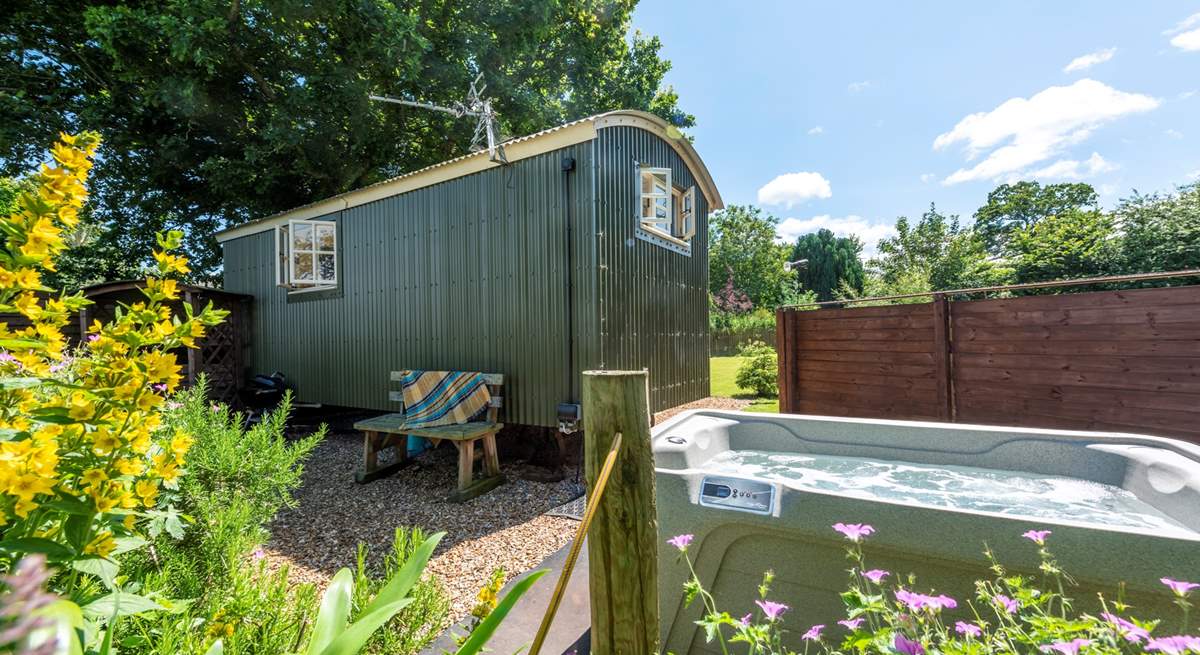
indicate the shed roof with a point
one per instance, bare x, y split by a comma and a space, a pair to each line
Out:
117, 286
578, 131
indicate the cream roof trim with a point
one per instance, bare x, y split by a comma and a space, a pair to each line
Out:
514, 149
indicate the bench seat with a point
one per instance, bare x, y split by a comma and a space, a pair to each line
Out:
395, 424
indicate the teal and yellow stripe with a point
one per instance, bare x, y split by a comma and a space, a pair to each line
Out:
443, 397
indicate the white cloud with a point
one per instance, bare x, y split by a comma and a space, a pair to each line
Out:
1021, 132
813, 131
791, 189
1174, 134
1187, 33
1084, 62
928, 177
855, 87
1187, 94
1070, 169
867, 232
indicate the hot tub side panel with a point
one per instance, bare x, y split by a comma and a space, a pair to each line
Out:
653, 302
468, 274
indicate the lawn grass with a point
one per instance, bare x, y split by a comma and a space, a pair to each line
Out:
723, 371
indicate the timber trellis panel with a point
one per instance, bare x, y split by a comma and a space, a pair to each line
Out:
1126, 361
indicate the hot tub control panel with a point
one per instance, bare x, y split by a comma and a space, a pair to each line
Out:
738, 494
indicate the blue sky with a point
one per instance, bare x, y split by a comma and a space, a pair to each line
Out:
848, 115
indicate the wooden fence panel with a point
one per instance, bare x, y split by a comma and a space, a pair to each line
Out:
1112, 360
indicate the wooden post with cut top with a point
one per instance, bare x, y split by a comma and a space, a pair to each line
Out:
623, 540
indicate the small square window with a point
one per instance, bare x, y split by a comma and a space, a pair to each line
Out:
306, 255
666, 211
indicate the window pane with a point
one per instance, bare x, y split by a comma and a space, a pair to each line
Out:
662, 208
326, 268
660, 184
302, 266
325, 237
302, 236
647, 182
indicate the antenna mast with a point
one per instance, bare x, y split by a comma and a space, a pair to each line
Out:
476, 105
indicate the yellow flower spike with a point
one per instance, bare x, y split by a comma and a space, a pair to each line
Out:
24, 507
103, 545
105, 444
28, 485
93, 477
131, 466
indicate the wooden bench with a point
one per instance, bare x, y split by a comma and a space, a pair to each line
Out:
390, 431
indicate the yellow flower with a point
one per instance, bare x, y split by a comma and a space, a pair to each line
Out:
130, 521
131, 466
170, 289
28, 485
93, 477
181, 443
82, 408
105, 442
103, 545
147, 490
24, 507
168, 263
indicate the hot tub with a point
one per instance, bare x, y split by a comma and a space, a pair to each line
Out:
760, 491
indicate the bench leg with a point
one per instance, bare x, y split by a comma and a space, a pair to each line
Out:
466, 463
491, 460
373, 443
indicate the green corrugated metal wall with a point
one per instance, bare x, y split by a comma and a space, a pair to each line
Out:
470, 274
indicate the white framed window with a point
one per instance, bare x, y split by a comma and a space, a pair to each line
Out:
665, 212
657, 199
306, 255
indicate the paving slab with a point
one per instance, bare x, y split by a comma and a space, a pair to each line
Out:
569, 632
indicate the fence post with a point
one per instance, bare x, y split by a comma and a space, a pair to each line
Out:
623, 540
941, 357
783, 360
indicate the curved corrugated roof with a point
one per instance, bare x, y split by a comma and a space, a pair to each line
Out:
517, 148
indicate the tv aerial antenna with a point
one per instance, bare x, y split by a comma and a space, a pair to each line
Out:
486, 128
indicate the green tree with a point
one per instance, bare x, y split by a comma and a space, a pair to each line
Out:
938, 250
741, 242
216, 112
833, 263
1012, 207
1162, 232
1074, 243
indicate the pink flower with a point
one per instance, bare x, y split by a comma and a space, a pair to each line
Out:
93, 338
917, 602
1065, 647
1175, 645
171, 404
1037, 536
681, 542
1010, 605
1127, 629
216, 408
875, 575
771, 608
854, 531
159, 387
968, 629
258, 554
814, 633
851, 624
1180, 587
745, 620
907, 646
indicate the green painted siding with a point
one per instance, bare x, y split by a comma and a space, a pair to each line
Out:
470, 274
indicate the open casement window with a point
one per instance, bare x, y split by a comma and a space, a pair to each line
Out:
667, 214
657, 200
306, 255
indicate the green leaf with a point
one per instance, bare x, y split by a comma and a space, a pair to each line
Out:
73, 506
57, 415
404, 579
19, 383
21, 344
353, 639
119, 603
126, 544
64, 621
102, 568
483, 632
334, 612
217, 648
76, 530
54, 551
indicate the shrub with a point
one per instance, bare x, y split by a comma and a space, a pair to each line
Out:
885, 616
759, 370
416, 625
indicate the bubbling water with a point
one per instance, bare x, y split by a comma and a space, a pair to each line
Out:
1011, 493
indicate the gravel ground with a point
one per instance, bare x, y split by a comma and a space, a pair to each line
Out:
503, 528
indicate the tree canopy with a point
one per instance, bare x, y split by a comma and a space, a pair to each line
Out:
742, 243
1012, 207
834, 263
216, 112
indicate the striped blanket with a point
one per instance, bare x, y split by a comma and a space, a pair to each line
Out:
442, 397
